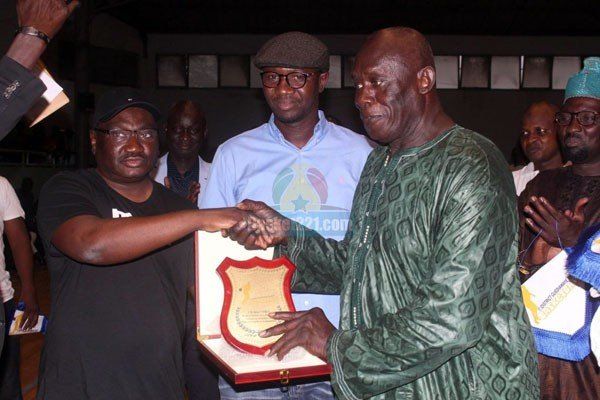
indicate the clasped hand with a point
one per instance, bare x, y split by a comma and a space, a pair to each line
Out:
559, 229
309, 329
268, 227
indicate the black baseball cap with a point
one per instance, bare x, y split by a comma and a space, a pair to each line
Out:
116, 100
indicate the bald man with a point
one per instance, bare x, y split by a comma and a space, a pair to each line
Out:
539, 143
431, 306
182, 169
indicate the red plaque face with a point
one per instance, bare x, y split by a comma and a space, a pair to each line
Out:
253, 289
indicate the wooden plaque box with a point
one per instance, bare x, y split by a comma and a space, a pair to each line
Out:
236, 366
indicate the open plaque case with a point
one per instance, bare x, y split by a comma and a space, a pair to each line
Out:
238, 367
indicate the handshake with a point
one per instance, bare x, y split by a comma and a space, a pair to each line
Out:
255, 225
252, 224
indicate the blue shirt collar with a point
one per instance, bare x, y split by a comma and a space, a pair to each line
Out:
318, 134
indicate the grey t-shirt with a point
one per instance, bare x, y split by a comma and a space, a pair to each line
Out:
115, 332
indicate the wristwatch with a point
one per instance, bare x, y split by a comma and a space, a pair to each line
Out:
31, 31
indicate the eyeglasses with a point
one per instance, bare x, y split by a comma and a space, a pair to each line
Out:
585, 118
124, 135
296, 80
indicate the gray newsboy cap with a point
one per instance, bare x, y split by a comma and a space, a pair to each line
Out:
293, 50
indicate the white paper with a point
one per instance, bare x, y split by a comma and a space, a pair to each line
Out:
552, 301
52, 99
211, 250
14, 326
52, 88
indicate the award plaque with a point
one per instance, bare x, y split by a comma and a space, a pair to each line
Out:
252, 289
241, 363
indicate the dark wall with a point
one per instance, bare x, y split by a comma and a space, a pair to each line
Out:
494, 113
232, 111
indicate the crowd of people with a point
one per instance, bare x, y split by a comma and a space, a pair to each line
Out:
424, 270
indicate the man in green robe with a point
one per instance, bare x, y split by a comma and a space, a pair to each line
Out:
430, 301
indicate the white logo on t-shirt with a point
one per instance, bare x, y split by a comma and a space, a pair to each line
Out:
120, 214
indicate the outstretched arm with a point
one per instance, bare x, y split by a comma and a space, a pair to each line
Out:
101, 241
70, 219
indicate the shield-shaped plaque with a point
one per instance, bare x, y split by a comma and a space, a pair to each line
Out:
253, 289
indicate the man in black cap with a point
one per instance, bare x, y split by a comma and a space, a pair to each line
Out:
298, 162
120, 258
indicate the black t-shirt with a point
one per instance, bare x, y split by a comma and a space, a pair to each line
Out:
115, 332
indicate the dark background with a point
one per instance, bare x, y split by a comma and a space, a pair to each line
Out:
117, 42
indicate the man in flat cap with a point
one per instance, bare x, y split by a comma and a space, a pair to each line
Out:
298, 162
555, 208
120, 257
431, 302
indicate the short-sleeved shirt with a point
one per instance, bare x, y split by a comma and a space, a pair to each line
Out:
10, 208
115, 332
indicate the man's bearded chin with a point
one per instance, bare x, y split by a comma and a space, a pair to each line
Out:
576, 155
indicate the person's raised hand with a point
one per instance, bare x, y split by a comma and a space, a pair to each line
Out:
273, 229
47, 16
558, 229
309, 329
193, 192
